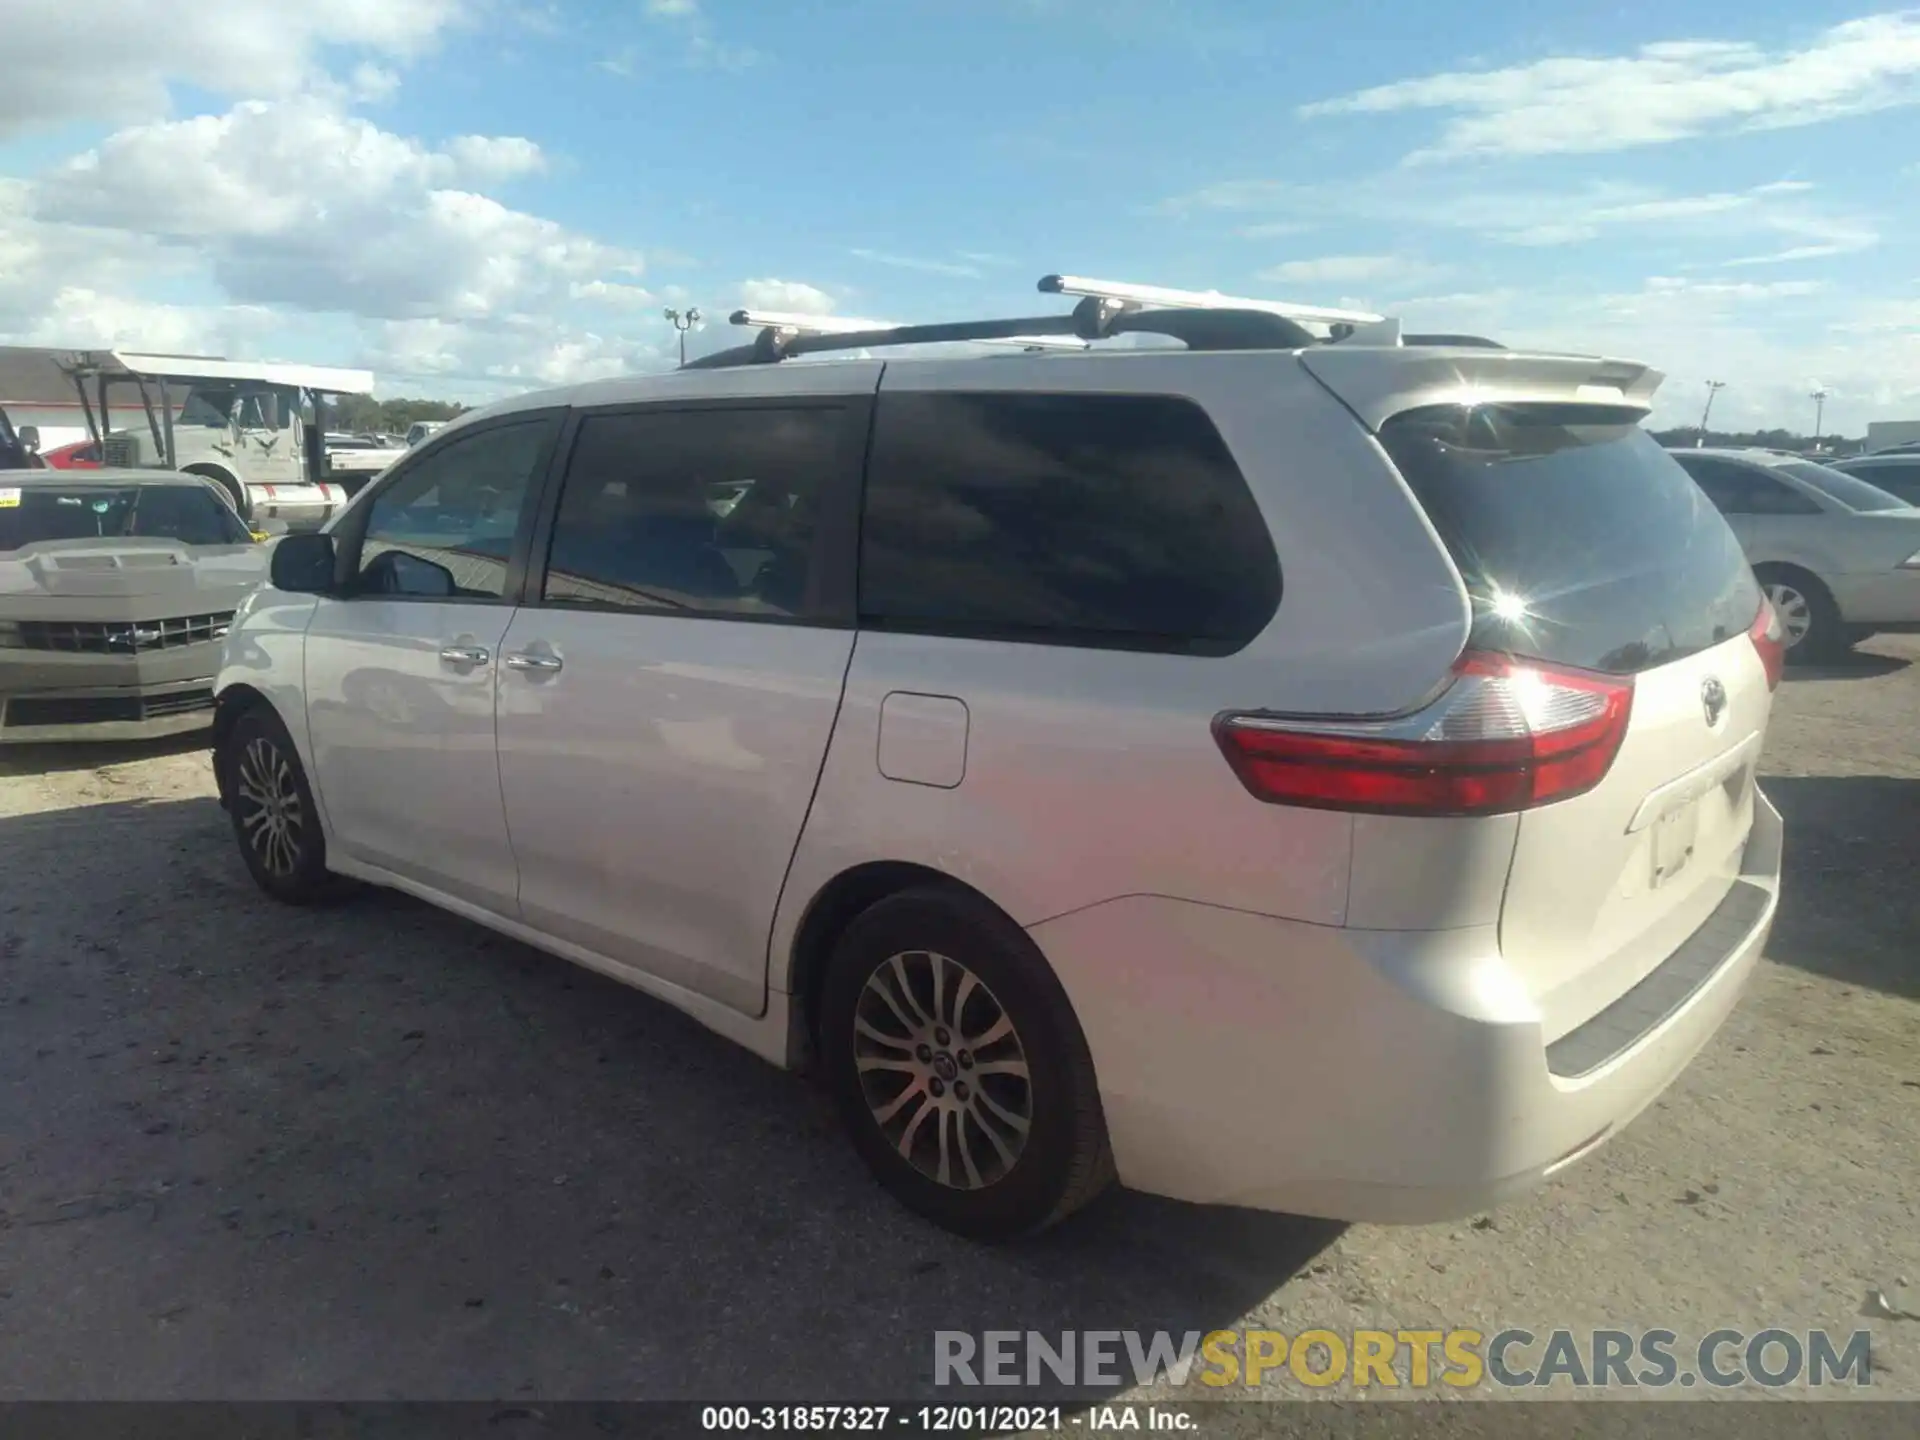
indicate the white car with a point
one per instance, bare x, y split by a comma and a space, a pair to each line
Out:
1309, 775
1839, 557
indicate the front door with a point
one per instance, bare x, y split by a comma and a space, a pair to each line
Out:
401, 669
266, 437
668, 693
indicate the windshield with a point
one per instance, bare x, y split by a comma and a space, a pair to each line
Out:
1849, 490
1580, 541
207, 405
190, 514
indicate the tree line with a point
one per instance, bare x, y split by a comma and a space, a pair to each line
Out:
363, 414
1685, 435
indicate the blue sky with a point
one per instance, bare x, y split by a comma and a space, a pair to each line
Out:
471, 196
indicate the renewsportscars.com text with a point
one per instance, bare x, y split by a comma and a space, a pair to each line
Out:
1377, 1360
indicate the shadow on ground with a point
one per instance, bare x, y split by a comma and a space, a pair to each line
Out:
374, 1151
1850, 898
1854, 665
93, 755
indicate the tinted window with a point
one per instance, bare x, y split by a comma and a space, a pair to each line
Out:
1740, 489
1580, 540
445, 526
710, 511
1115, 520
1902, 479
190, 514
1853, 493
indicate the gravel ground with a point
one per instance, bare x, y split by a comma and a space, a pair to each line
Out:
376, 1152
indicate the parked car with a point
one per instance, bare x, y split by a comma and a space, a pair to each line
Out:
421, 429
1839, 557
1255, 773
1896, 471
116, 591
81, 455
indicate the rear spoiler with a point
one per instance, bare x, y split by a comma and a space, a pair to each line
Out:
1377, 384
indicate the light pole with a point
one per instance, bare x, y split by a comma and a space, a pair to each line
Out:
1819, 411
1714, 387
683, 321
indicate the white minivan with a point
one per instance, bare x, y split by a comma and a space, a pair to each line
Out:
1311, 773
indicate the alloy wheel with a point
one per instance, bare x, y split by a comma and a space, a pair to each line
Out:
943, 1070
272, 814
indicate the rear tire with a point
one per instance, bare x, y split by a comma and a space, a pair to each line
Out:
958, 1067
1815, 631
274, 817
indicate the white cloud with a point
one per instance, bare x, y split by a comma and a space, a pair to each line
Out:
371, 84
81, 317
704, 51
495, 157
1548, 217
476, 360
925, 267
793, 296
1334, 269
612, 293
294, 203
127, 52
1272, 229
1663, 92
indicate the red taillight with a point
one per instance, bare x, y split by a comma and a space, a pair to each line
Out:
1505, 735
1769, 637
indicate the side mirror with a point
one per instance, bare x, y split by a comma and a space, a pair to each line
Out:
30, 439
303, 564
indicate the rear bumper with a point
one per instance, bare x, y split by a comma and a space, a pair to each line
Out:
1392, 1076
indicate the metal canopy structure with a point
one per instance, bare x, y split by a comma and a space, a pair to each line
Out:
1200, 320
91, 374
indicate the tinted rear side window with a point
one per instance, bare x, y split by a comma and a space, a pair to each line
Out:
1856, 492
1580, 540
1102, 520
1902, 479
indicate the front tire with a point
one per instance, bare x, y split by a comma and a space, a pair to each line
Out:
959, 1069
274, 817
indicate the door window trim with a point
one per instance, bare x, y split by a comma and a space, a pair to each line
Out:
836, 537
351, 534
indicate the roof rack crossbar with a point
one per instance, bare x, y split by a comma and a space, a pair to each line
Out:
1202, 320
1162, 297
778, 342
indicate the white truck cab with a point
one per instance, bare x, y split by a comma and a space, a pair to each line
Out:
254, 429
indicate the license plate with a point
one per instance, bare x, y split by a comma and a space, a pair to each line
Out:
1674, 836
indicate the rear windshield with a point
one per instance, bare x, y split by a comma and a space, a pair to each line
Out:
1580, 540
1850, 490
191, 514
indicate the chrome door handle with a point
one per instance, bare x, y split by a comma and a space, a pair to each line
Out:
465, 655
532, 660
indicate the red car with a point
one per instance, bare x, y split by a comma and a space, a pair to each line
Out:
84, 455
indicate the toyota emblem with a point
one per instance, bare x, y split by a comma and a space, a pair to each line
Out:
1713, 699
